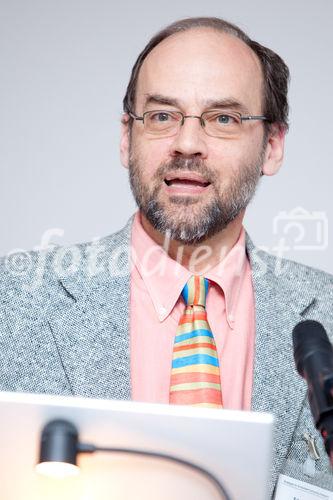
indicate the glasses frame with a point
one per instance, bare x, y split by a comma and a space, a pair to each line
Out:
201, 117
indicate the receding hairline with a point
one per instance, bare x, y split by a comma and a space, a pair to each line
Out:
217, 31
200, 29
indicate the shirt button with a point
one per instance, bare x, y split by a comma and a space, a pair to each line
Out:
231, 321
161, 311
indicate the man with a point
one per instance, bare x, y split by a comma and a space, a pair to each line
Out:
205, 117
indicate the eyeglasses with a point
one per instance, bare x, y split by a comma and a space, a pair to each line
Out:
216, 123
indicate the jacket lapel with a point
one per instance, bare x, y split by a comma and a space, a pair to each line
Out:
277, 387
92, 331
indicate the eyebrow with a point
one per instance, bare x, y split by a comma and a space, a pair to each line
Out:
223, 103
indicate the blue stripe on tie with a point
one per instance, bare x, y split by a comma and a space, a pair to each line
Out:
194, 333
195, 359
206, 286
185, 294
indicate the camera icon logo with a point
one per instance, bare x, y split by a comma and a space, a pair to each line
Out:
302, 230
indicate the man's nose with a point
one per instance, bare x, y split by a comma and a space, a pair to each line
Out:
190, 139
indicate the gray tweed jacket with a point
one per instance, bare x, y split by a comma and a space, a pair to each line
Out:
64, 329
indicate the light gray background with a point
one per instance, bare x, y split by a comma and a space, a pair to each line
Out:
64, 67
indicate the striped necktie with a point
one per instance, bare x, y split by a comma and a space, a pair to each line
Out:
195, 373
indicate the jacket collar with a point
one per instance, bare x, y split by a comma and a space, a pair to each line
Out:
91, 329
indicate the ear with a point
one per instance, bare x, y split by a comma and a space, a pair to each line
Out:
124, 140
274, 150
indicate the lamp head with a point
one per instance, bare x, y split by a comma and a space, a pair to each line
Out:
59, 449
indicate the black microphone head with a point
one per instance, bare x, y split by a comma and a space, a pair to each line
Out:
309, 337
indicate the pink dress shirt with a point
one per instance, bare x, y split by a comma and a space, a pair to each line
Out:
156, 306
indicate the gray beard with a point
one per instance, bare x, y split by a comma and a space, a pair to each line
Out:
213, 218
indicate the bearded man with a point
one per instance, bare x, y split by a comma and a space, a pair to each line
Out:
179, 306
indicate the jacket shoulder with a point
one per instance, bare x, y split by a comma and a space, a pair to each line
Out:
32, 280
287, 269
293, 270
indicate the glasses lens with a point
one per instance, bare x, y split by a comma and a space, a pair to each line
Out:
222, 123
160, 122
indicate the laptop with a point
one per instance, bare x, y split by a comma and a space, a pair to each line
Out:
233, 446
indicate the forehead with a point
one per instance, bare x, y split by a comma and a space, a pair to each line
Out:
200, 65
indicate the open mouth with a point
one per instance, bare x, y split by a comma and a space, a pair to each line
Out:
186, 182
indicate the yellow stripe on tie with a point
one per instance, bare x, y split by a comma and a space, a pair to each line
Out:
195, 385
196, 340
197, 368
191, 352
202, 297
190, 291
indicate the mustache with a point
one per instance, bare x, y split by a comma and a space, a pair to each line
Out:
186, 164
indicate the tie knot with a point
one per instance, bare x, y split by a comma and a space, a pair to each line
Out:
195, 291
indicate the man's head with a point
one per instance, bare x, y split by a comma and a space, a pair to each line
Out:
190, 180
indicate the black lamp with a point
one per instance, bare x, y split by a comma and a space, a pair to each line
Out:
60, 446
59, 449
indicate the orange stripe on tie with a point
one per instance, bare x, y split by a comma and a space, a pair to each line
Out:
196, 396
196, 290
189, 318
182, 378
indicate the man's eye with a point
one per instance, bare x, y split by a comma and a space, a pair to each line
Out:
160, 117
225, 119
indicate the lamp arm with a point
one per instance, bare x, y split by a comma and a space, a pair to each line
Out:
90, 448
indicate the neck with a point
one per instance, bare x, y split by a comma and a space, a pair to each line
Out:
199, 257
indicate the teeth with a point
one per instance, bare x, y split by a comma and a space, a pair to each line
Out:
185, 181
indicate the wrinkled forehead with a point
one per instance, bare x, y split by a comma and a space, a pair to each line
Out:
201, 65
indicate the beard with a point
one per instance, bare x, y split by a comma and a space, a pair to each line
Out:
192, 219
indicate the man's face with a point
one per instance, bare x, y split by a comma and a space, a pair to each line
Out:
190, 184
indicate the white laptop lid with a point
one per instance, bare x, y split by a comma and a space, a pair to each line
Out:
234, 446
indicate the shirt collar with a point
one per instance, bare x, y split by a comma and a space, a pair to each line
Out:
229, 274
165, 278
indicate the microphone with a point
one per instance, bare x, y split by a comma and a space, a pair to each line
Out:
313, 354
